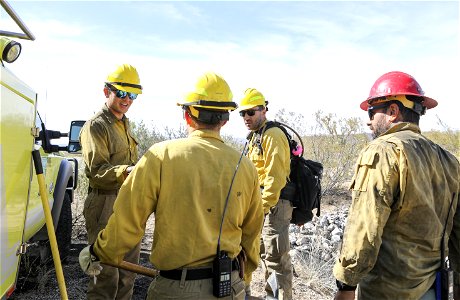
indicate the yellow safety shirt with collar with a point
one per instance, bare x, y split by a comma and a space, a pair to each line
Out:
185, 183
108, 148
271, 156
402, 190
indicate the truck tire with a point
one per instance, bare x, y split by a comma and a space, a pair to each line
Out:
38, 260
64, 228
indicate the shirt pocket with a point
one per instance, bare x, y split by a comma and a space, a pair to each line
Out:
362, 174
119, 147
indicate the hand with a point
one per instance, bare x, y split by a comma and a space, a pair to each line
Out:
345, 295
89, 262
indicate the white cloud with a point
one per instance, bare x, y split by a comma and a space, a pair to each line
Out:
304, 65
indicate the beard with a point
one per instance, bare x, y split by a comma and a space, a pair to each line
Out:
380, 127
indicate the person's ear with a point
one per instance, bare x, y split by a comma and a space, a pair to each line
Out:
187, 118
393, 112
106, 92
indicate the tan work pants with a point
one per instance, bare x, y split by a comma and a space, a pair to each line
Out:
163, 288
274, 249
112, 283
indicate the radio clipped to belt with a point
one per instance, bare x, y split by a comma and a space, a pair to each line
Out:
444, 284
222, 264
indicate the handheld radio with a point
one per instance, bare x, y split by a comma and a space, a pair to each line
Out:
221, 271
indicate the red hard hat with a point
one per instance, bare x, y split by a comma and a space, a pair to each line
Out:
397, 83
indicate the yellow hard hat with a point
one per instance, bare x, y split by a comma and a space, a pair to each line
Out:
125, 78
252, 98
211, 93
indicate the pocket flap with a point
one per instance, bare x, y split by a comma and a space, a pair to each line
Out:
367, 159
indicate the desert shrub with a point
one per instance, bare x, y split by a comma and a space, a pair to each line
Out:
147, 136
448, 138
333, 141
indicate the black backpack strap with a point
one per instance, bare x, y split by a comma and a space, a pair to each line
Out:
269, 124
258, 135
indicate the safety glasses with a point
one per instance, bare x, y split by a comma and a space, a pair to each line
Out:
250, 112
371, 109
121, 94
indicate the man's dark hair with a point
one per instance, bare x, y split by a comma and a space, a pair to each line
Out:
213, 118
262, 106
408, 114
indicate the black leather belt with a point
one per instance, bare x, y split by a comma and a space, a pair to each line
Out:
194, 274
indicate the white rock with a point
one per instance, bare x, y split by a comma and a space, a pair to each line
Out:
337, 231
335, 238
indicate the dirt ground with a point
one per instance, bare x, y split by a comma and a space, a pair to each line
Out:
46, 287
76, 282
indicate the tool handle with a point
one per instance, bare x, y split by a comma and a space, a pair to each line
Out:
134, 268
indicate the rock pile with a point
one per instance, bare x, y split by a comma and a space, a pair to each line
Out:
321, 237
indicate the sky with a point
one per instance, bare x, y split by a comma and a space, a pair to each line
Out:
304, 56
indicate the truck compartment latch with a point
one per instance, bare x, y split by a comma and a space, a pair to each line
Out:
22, 249
35, 131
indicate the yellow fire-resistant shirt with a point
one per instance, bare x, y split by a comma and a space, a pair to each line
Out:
272, 159
402, 190
185, 183
108, 148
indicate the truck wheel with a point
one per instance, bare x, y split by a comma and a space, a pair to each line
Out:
38, 259
64, 228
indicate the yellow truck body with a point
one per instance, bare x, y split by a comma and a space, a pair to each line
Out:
21, 213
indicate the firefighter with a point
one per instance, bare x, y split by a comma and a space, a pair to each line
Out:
110, 152
188, 184
270, 153
405, 194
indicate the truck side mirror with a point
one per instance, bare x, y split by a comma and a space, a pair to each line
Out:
74, 136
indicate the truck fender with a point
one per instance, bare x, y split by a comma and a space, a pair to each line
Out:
64, 176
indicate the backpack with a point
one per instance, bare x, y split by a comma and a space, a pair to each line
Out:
304, 186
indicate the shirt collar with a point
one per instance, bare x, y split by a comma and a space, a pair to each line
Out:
402, 126
206, 133
110, 116
261, 125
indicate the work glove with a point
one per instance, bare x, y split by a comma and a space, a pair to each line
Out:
89, 262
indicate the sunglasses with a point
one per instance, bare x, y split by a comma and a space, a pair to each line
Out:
121, 94
371, 109
250, 112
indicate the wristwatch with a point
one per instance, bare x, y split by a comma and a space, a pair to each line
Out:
343, 286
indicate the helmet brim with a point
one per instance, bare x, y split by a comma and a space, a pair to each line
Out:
427, 102
127, 89
247, 106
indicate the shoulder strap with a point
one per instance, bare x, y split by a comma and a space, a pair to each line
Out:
257, 136
283, 127
269, 124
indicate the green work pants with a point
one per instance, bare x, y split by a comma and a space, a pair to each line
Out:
112, 283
